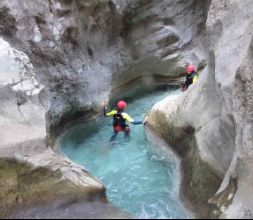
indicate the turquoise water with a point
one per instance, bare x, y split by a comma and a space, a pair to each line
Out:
140, 178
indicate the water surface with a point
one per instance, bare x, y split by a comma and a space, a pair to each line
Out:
140, 178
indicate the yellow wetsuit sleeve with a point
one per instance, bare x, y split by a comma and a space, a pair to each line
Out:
127, 117
111, 113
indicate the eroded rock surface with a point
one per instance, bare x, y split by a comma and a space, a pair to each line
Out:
73, 210
22, 103
86, 51
83, 51
29, 172
34, 180
216, 112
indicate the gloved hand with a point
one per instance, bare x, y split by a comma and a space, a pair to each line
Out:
145, 120
105, 104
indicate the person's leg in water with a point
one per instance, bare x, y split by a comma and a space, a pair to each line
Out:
116, 130
113, 137
127, 132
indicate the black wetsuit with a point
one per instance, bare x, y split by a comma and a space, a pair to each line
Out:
188, 81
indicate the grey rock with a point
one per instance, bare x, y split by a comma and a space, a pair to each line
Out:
29, 172
23, 104
219, 106
72, 210
28, 181
86, 51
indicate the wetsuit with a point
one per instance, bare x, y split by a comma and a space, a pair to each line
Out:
189, 79
119, 122
191, 72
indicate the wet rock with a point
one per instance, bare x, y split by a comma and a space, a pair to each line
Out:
199, 182
72, 210
218, 107
40, 178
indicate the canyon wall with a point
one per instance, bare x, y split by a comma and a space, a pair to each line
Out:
86, 51
60, 59
214, 117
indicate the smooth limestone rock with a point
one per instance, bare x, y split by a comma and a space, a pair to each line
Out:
23, 102
216, 112
85, 51
80, 49
30, 173
74, 46
200, 182
157, 37
77, 210
38, 179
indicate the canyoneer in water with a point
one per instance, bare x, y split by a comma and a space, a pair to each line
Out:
120, 118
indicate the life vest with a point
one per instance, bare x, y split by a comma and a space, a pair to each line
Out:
118, 120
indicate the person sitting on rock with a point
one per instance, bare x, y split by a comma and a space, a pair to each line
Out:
190, 74
120, 118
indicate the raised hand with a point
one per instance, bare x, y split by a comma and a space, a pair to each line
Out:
145, 120
105, 104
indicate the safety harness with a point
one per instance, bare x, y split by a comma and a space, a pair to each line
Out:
118, 120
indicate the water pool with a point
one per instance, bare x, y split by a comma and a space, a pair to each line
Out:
140, 178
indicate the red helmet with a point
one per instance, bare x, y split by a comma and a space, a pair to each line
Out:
190, 69
121, 105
